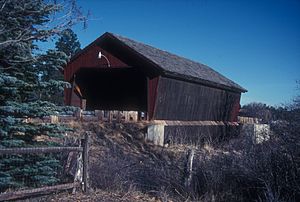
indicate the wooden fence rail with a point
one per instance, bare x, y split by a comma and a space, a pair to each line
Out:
11, 195
39, 150
35, 192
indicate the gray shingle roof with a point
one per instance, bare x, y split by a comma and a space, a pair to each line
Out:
178, 66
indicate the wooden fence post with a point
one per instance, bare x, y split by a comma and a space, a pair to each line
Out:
85, 158
189, 169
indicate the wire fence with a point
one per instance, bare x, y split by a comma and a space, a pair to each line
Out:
26, 172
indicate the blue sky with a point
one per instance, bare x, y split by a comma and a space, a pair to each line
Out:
254, 43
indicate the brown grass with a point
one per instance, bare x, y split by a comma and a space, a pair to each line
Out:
123, 164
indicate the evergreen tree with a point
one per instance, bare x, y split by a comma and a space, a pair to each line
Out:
23, 25
68, 43
52, 58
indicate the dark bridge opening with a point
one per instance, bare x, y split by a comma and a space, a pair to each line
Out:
113, 88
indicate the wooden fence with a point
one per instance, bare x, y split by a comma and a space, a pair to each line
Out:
84, 148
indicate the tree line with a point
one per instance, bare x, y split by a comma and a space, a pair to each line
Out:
267, 113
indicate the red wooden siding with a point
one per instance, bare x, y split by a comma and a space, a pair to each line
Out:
71, 98
89, 58
235, 110
180, 100
75, 100
152, 92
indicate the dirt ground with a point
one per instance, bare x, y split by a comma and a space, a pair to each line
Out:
98, 195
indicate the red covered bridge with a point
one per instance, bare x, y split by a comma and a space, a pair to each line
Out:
133, 76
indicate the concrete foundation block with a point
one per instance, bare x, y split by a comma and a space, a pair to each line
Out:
155, 134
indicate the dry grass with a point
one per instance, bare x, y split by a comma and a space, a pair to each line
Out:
126, 168
97, 195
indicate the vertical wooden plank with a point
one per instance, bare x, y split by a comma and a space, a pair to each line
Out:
181, 100
189, 169
152, 96
89, 58
235, 108
85, 157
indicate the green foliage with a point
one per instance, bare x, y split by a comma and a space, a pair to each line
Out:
66, 46
68, 43
29, 171
51, 76
27, 82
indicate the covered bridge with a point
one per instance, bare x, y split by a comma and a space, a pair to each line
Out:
117, 73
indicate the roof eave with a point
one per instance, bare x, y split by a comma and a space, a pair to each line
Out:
203, 82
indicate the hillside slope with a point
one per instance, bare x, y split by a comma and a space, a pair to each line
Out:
123, 167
